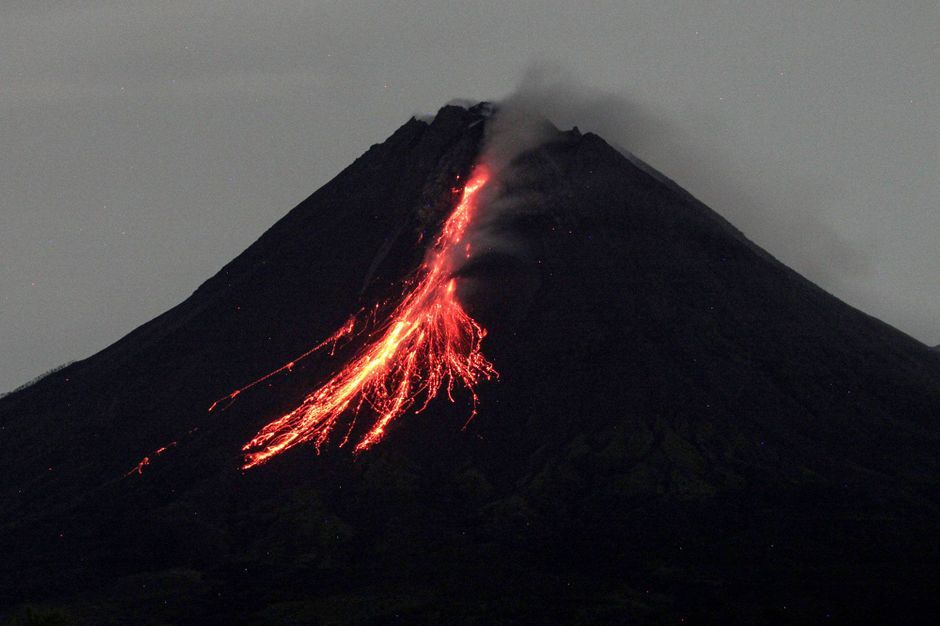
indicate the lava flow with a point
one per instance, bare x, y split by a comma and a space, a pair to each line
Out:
428, 342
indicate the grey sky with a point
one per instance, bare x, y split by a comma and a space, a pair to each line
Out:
144, 144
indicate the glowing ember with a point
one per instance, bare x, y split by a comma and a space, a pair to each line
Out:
144, 462
428, 342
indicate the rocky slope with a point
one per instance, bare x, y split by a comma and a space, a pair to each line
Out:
684, 428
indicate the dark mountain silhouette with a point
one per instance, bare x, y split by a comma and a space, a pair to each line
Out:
683, 429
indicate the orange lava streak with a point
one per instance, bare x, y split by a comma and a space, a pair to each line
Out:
343, 331
144, 462
428, 342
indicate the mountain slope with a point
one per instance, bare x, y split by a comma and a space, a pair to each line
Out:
683, 426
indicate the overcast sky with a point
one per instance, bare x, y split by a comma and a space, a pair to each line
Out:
145, 144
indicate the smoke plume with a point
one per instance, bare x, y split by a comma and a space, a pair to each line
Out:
790, 225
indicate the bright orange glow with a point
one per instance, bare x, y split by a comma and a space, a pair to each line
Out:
428, 342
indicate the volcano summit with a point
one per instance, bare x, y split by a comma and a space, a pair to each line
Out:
682, 427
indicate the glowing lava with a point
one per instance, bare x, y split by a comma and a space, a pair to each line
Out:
428, 342
144, 462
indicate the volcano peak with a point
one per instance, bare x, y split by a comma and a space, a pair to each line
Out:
682, 425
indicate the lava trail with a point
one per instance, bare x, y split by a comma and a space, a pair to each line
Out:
427, 343
144, 462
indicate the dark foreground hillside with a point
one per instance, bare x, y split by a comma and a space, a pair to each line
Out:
683, 430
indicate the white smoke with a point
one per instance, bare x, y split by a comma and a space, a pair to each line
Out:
798, 232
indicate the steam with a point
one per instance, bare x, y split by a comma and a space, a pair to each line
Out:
788, 223
547, 99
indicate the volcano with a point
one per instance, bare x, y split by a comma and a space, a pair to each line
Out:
682, 429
